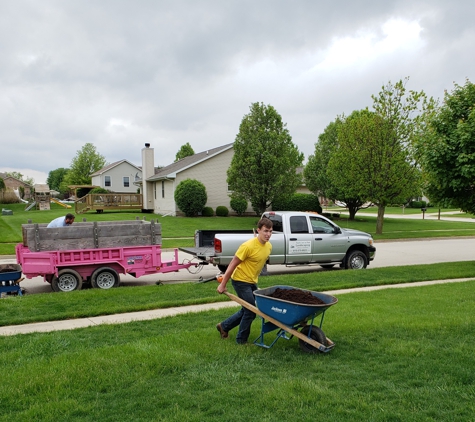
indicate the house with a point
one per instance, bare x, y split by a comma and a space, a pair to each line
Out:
118, 177
209, 167
13, 184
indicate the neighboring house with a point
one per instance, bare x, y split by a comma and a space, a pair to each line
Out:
13, 184
209, 167
118, 177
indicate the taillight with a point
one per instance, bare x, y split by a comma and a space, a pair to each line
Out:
217, 246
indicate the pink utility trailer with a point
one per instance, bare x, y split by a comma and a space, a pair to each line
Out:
93, 252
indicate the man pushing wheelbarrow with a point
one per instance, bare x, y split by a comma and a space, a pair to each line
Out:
243, 271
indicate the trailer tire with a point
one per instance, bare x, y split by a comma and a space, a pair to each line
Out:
67, 281
105, 278
316, 334
356, 260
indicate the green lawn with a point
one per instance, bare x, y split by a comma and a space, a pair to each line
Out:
400, 355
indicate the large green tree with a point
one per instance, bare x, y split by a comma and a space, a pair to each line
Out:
371, 163
394, 172
86, 161
185, 151
55, 179
332, 183
265, 161
448, 150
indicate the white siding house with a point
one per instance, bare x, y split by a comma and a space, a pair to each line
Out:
118, 177
209, 167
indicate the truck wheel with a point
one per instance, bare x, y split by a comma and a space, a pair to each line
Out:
315, 334
67, 281
356, 260
105, 278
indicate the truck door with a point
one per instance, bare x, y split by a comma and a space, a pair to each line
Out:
328, 244
299, 241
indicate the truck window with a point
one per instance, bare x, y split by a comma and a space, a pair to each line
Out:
298, 224
276, 222
320, 226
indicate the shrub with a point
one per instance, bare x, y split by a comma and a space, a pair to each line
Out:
191, 197
238, 204
298, 202
418, 204
9, 197
207, 212
222, 211
99, 190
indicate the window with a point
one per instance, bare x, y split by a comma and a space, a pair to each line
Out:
163, 188
126, 181
107, 181
320, 226
298, 224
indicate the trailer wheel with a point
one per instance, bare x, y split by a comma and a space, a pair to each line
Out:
222, 268
315, 334
67, 281
356, 260
105, 278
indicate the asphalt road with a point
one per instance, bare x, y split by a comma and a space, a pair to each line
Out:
388, 254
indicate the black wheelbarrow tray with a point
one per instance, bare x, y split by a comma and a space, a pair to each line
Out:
288, 317
10, 277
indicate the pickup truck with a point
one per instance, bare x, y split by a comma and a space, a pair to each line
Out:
298, 238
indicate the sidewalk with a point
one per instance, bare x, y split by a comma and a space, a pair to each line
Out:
71, 324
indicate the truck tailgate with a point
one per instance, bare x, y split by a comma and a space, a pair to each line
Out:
204, 252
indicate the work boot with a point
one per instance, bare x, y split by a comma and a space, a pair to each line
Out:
224, 334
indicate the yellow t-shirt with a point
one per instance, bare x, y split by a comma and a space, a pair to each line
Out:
253, 255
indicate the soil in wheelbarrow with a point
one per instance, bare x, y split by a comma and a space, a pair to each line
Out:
297, 296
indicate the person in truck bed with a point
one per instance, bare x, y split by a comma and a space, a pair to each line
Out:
67, 220
243, 271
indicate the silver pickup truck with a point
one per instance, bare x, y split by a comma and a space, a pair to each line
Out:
298, 238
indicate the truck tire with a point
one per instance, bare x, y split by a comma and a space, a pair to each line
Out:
67, 281
315, 334
105, 278
356, 260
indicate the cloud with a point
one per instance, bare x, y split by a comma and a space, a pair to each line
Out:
119, 74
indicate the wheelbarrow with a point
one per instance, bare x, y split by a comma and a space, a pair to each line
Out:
10, 277
288, 317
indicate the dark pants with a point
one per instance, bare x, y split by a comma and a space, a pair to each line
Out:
244, 316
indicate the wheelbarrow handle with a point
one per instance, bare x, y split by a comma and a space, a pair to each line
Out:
290, 330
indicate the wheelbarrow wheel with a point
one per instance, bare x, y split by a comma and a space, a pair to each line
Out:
315, 334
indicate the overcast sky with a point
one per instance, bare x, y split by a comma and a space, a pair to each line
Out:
120, 73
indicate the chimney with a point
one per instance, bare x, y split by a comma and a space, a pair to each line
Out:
148, 170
